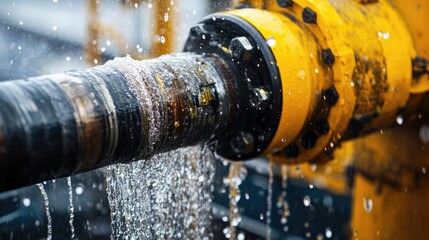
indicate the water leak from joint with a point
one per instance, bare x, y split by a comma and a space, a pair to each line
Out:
237, 173
282, 202
269, 200
71, 207
165, 197
48, 215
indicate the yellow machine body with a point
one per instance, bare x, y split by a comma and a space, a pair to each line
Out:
373, 44
370, 69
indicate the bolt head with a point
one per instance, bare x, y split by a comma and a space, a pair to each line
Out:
199, 32
322, 126
328, 57
292, 151
260, 96
331, 96
284, 3
309, 16
309, 139
240, 48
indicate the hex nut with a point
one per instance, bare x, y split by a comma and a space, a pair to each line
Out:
322, 126
309, 16
328, 57
331, 96
309, 139
291, 151
284, 3
240, 48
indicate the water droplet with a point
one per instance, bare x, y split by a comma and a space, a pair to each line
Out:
67, 58
21, 23
235, 221
54, 28
424, 170
328, 233
399, 120
150, 5
386, 35
79, 190
328, 201
165, 17
162, 39
26, 202
271, 42
246, 196
424, 133
367, 204
306, 200
241, 236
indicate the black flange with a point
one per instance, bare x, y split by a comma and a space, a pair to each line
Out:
252, 124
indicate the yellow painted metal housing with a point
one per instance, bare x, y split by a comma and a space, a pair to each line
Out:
374, 43
370, 69
390, 193
296, 61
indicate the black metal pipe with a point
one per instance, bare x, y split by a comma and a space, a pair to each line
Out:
57, 125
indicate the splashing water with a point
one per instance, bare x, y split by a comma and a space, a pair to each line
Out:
282, 202
237, 173
165, 197
48, 215
71, 207
269, 200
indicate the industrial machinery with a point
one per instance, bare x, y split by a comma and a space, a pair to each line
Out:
289, 79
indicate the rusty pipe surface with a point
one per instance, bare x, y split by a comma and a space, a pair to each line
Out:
62, 124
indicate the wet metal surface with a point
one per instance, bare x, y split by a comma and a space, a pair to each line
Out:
67, 123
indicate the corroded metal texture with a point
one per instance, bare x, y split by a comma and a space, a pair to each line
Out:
56, 125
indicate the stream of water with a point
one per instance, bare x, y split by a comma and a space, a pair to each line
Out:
71, 207
48, 215
165, 197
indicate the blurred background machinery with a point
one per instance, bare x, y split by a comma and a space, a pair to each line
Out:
347, 69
